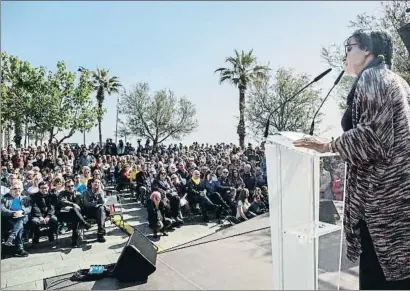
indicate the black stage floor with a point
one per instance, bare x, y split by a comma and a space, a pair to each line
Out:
235, 258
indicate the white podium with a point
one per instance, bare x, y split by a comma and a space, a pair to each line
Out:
302, 211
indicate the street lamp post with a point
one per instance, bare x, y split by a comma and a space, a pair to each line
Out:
116, 121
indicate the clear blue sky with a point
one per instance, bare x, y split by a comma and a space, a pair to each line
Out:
178, 45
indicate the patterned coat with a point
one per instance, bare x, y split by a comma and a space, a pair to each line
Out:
377, 152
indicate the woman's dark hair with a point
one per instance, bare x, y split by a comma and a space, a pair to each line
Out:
243, 194
41, 184
58, 180
379, 43
68, 181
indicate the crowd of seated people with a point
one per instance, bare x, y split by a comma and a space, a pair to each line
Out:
44, 209
56, 189
200, 179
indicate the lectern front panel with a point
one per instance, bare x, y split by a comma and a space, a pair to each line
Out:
306, 192
292, 199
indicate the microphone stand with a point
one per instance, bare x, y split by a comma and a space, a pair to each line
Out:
312, 126
266, 133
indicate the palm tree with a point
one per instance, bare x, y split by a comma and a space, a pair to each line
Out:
243, 71
102, 84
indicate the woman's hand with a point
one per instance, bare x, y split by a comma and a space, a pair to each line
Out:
313, 144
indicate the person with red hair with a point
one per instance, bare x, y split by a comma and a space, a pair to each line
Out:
157, 220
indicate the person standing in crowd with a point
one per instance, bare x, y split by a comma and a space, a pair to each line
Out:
120, 148
375, 146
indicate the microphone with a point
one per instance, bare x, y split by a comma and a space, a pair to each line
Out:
338, 78
319, 77
312, 126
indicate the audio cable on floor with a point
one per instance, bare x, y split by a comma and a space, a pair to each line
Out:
189, 244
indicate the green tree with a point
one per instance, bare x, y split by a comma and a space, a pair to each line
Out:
243, 71
20, 87
393, 16
66, 106
157, 116
103, 84
293, 114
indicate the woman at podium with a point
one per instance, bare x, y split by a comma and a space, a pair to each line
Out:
376, 148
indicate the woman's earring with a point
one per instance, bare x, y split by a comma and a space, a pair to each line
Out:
382, 58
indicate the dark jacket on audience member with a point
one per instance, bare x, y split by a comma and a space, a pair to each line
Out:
67, 199
155, 214
194, 189
249, 180
225, 183
43, 205
258, 207
184, 174
142, 179
260, 181
162, 186
181, 189
237, 182
91, 181
212, 186
92, 199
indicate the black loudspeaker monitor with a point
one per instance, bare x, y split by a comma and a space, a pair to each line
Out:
137, 260
405, 35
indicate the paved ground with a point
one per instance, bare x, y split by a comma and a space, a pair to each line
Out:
48, 260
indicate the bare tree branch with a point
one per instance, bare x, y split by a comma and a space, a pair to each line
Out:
158, 116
